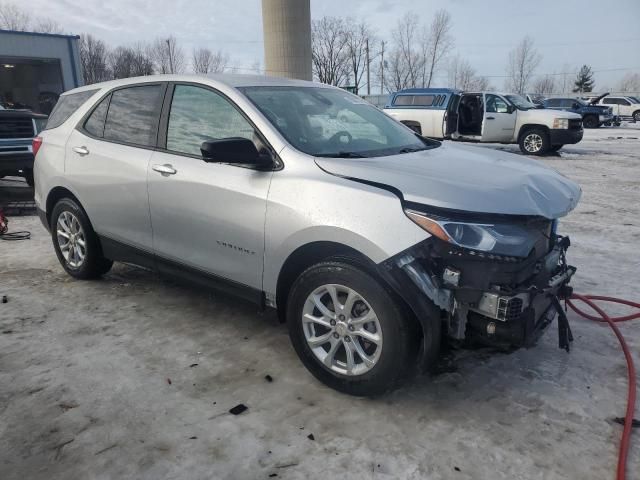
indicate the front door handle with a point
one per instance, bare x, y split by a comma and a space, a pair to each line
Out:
491, 118
165, 169
82, 151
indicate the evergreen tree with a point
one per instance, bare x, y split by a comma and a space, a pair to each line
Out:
584, 81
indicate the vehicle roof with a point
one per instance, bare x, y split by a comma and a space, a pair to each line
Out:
428, 90
229, 79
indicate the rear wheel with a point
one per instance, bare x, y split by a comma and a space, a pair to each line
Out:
349, 330
590, 121
534, 142
76, 244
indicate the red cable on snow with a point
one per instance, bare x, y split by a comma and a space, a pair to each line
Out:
631, 370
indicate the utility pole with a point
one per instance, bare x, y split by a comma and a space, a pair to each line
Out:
170, 56
366, 46
382, 69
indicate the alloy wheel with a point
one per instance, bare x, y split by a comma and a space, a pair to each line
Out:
342, 329
71, 239
533, 143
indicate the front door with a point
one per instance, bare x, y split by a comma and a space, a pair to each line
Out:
107, 158
450, 119
499, 120
208, 217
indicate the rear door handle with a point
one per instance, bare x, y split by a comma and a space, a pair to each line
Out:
491, 118
82, 151
165, 169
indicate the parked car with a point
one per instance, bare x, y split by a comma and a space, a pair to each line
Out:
624, 107
593, 116
484, 117
17, 130
370, 241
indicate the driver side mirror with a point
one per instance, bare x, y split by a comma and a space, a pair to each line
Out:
233, 150
575, 105
511, 109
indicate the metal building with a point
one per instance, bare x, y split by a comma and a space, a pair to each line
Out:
287, 38
35, 68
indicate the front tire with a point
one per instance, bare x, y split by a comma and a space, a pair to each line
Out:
636, 116
76, 244
349, 330
590, 121
534, 142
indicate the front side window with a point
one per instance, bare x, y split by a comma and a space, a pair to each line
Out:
552, 102
133, 115
496, 104
66, 106
330, 122
198, 114
520, 102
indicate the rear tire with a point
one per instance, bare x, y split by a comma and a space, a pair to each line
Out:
76, 244
534, 141
590, 121
383, 350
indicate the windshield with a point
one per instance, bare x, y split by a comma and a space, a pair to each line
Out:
634, 99
328, 122
520, 102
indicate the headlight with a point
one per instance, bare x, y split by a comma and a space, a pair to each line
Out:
501, 239
560, 123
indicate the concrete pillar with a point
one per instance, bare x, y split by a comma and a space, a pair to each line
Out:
287, 38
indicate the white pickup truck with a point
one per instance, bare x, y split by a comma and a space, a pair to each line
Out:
484, 117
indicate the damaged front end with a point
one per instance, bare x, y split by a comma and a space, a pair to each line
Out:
492, 280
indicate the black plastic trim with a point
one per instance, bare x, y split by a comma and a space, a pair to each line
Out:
119, 251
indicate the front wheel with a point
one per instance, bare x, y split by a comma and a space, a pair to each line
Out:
636, 116
76, 244
534, 142
590, 121
349, 330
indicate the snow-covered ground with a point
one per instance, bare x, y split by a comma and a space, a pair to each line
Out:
132, 377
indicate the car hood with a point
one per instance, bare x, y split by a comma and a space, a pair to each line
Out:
548, 114
466, 178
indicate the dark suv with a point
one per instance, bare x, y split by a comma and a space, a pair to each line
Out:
17, 129
593, 116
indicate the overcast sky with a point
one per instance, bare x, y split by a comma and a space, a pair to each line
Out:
604, 35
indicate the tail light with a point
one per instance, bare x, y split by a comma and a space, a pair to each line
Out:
36, 144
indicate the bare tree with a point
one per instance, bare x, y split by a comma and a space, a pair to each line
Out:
330, 53
13, 17
93, 57
46, 25
544, 85
125, 62
523, 60
167, 55
463, 76
358, 34
407, 56
629, 83
205, 61
255, 67
439, 41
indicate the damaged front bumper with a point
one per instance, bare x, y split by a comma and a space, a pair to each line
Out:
506, 302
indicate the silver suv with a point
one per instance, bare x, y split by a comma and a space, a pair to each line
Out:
373, 243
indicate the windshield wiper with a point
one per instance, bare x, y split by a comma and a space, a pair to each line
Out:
410, 150
342, 155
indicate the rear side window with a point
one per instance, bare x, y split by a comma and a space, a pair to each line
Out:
552, 102
66, 106
95, 123
133, 115
609, 101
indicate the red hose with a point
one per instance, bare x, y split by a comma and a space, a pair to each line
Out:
631, 370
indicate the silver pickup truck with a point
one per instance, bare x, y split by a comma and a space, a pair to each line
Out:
485, 117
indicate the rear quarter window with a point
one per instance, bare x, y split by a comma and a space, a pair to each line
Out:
66, 106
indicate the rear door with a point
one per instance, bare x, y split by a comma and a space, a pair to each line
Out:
106, 162
450, 119
207, 216
499, 121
